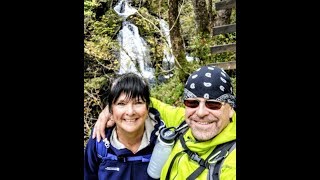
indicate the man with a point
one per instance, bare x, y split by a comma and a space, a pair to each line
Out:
209, 112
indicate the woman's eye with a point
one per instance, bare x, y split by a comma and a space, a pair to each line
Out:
121, 104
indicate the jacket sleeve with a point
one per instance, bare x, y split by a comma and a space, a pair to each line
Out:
171, 115
91, 161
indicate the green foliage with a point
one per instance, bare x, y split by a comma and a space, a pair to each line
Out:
200, 47
89, 5
156, 7
109, 25
95, 83
224, 38
233, 16
234, 84
169, 92
222, 57
102, 48
100, 45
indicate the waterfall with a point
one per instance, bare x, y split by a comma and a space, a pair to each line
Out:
134, 51
123, 9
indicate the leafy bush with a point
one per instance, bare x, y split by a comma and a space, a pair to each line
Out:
169, 92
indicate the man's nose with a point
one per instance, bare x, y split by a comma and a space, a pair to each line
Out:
202, 110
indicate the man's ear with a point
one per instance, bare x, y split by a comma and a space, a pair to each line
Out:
231, 112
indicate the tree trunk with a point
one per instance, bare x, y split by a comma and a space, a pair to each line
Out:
201, 16
211, 17
178, 50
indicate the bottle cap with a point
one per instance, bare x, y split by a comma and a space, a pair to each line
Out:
167, 135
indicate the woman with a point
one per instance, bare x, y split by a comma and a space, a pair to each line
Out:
127, 153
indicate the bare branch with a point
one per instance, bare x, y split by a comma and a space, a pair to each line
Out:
178, 15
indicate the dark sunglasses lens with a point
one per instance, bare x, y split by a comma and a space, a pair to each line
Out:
213, 105
191, 103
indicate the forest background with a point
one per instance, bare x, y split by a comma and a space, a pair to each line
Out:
190, 23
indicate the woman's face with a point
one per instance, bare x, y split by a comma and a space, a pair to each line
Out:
129, 114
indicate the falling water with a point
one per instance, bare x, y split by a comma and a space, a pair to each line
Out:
123, 9
134, 52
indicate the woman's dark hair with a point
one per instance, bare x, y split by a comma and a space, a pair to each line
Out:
130, 84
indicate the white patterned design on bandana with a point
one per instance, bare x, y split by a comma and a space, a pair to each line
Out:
221, 88
223, 74
207, 84
192, 86
208, 75
194, 76
206, 95
223, 80
211, 68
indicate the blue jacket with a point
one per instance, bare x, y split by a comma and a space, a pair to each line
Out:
118, 164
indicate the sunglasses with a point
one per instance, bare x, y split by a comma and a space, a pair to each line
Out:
211, 104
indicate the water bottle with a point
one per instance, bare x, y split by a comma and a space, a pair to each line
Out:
161, 152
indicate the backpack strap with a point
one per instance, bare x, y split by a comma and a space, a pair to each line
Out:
194, 156
181, 130
214, 159
214, 168
144, 158
103, 146
154, 134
